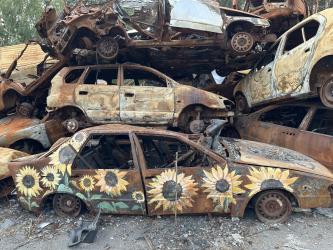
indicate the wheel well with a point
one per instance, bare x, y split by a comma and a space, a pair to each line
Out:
37, 145
320, 72
68, 112
241, 25
289, 195
47, 202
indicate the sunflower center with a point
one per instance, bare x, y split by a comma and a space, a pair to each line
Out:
50, 177
172, 191
66, 155
222, 186
111, 179
86, 182
28, 181
270, 183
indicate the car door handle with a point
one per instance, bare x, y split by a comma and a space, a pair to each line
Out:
127, 94
83, 92
269, 70
307, 50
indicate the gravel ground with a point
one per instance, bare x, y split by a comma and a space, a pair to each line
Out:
304, 230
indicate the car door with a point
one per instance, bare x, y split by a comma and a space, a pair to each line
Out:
194, 185
145, 97
106, 175
98, 94
279, 126
294, 57
317, 136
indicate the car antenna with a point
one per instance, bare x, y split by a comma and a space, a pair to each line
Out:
176, 169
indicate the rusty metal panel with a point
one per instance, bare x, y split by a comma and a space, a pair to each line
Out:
196, 15
140, 105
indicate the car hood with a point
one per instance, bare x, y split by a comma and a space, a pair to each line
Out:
262, 154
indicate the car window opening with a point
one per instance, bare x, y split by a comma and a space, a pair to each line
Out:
289, 116
322, 122
136, 77
102, 77
160, 152
106, 152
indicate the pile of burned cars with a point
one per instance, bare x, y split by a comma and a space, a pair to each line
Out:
108, 131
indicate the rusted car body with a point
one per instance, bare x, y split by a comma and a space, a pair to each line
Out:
131, 94
306, 128
29, 135
299, 65
283, 14
28, 85
167, 32
6, 181
122, 169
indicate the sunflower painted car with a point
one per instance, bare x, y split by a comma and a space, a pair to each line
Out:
123, 169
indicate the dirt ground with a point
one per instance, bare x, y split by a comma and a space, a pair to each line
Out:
305, 230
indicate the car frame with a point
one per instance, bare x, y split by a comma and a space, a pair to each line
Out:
158, 26
87, 100
309, 133
292, 69
270, 178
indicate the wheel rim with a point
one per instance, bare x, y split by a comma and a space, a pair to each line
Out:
107, 48
273, 207
66, 205
242, 42
326, 93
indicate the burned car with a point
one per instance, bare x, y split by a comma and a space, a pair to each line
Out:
27, 84
133, 94
298, 65
167, 32
29, 135
283, 14
122, 169
303, 127
6, 181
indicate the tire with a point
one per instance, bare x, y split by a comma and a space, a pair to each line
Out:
242, 105
67, 205
272, 207
326, 93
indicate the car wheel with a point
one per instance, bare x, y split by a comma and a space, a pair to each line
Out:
326, 93
107, 47
242, 42
273, 207
67, 205
242, 105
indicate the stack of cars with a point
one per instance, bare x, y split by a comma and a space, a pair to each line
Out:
129, 139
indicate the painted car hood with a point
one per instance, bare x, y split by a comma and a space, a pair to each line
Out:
257, 153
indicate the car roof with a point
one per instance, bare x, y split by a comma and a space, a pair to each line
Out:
123, 128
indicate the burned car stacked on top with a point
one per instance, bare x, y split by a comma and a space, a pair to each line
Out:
167, 33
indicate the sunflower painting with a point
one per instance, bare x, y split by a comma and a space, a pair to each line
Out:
62, 159
87, 183
27, 183
50, 177
221, 186
111, 182
138, 197
77, 140
171, 191
265, 178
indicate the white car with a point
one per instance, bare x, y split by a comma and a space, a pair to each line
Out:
298, 65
